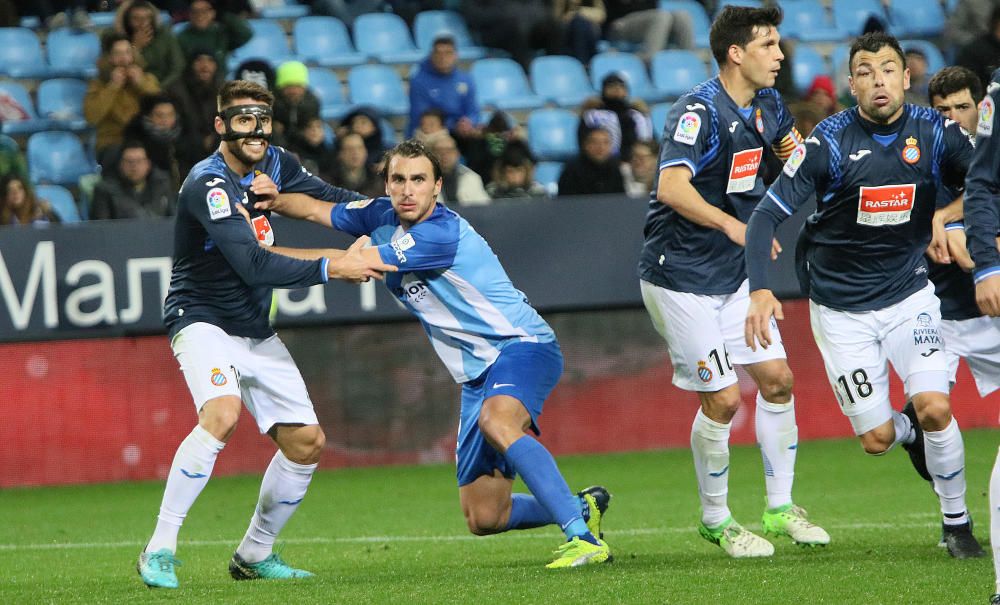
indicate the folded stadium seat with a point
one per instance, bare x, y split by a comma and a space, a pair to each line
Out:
501, 83
560, 79
743, 3
699, 18
269, 43
17, 111
60, 100
324, 41
922, 19
385, 36
21, 54
326, 86
61, 200
379, 86
807, 63
73, 53
31, 22
631, 68
102, 19
849, 16
552, 134
58, 158
428, 25
677, 71
935, 59
658, 115
547, 174
284, 9
807, 21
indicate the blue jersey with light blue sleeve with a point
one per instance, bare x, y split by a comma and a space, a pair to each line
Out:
451, 280
982, 188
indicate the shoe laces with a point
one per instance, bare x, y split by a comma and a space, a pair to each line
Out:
164, 562
799, 515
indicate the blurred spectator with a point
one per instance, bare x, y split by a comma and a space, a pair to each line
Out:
314, 151
365, 121
352, 170
208, 29
256, 70
135, 190
112, 99
139, 20
430, 127
481, 152
595, 170
19, 206
642, 22
807, 116
294, 104
346, 10
439, 84
627, 121
822, 96
982, 55
640, 171
969, 20
514, 174
578, 27
516, 26
956, 92
158, 128
916, 62
195, 97
461, 184
12, 160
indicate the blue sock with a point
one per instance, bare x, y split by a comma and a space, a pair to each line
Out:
527, 512
538, 469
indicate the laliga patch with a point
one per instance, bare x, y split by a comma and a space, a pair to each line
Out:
886, 205
218, 204
359, 204
795, 160
911, 153
743, 174
687, 128
262, 229
985, 126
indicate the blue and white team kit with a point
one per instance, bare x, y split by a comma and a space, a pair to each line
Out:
693, 278
484, 330
219, 299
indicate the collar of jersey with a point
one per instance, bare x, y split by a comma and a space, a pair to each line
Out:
883, 129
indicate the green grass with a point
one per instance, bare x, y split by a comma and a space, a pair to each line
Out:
396, 535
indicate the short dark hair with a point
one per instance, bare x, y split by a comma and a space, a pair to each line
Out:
954, 79
112, 38
873, 42
444, 38
736, 25
243, 89
411, 148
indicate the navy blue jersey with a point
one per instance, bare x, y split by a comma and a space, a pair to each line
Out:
724, 149
982, 188
876, 189
220, 274
952, 285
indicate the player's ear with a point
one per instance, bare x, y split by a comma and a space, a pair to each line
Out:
735, 54
437, 187
220, 127
906, 78
850, 82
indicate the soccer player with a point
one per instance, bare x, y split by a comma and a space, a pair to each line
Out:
216, 314
693, 279
875, 170
492, 341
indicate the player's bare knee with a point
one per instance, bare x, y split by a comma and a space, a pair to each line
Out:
777, 387
876, 442
722, 405
307, 447
499, 427
220, 416
933, 410
484, 520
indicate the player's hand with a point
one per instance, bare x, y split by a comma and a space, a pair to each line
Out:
959, 253
988, 296
143, 36
118, 77
775, 249
736, 231
359, 263
266, 191
763, 306
937, 251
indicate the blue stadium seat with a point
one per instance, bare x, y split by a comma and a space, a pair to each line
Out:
73, 53
935, 60
807, 21
849, 16
699, 18
428, 25
379, 86
21, 54
386, 36
922, 19
389, 137
547, 174
561, 80
552, 134
61, 200
839, 56
327, 87
631, 68
677, 71
29, 122
269, 43
744, 3
501, 83
61, 101
658, 115
31, 22
807, 63
102, 19
285, 9
58, 158
324, 41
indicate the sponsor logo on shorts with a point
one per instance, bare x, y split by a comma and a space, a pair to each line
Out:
929, 352
704, 373
218, 378
924, 320
886, 204
926, 333
498, 385
743, 173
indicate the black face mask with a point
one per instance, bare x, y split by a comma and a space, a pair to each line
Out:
259, 112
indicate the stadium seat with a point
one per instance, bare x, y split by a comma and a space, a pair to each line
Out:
379, 86
561, 80
744, 3
385, 36
547, 174
677, 71
699, 18
922, 19
61, 101
807, 21
629, 67
839, 56
327, 87
849, 16
428, 25
501, 83
73, 53
268, 43
807, 63
61, 200
18, 114
658, 115
57, 158
552, 134
284, 9
324, 41
21, 54
102, 19
935, 60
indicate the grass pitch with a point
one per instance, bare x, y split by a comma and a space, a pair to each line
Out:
396, 535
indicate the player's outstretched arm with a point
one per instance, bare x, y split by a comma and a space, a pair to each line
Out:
360, 262
300, 206
763, 306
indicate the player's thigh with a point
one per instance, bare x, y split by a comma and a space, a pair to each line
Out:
978, 341
474, 456
856, 364
732, 320
274, 390
526, 372
208, 358
690, 324
913, 342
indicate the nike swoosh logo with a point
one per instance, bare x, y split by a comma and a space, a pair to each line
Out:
193, 475
732, 127
290, 502
497, 385
950, 476
860, 154
720, 473
695, 106
929, 352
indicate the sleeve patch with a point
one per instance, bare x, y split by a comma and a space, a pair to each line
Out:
795, 160
402, 244
359, 204
218, 204
986, 109
687, 129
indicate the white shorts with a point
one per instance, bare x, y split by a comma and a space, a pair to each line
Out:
705, 335
259, 371
857, 346
978, 341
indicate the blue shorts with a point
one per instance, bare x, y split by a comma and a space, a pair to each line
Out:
527, 371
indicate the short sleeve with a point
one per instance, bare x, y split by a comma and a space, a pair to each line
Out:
360, 217
687, 135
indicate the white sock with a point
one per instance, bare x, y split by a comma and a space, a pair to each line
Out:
945, 455
995, 518
189, 474
778, 437
904, 428
710, 445
284, 485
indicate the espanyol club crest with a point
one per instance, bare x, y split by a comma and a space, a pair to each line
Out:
759, 121
911, 153
218, 378
262, 228
704, 373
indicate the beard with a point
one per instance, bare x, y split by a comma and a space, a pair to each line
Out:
236, 148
